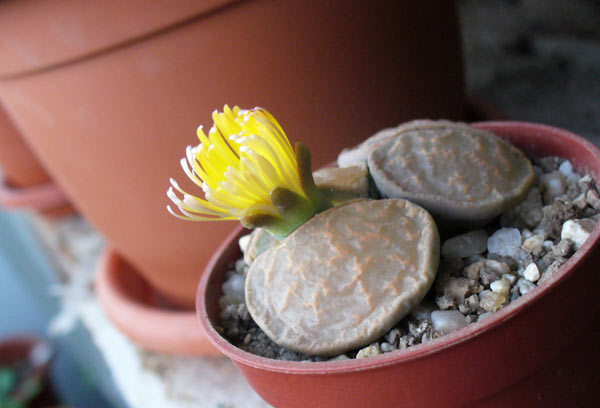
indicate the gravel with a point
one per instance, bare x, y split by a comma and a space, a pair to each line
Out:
481, 271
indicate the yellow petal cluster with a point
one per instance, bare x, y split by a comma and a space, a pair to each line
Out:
245, 155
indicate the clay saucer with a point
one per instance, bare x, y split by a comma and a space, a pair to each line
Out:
47, 198
142, 315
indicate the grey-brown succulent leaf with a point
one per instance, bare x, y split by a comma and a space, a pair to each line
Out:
359, 154
460, 174
340, 184
345, 277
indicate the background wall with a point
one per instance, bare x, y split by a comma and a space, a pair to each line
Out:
538, 60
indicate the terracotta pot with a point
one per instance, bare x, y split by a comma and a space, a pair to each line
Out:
128, 106
139, 312
24, 183
540, 351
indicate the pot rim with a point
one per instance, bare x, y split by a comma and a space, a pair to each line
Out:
156, 328
82, 21
40, 197
422, 350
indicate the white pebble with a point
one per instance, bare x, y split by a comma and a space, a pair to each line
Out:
552, 186
524, 286
577, 231
534, 242
531, 273
566, 168
593, 199
465, 245
491, 301
501, 286
243, 242
234, 286
372, 350
498, 267
509, 277
447, 321
505, 242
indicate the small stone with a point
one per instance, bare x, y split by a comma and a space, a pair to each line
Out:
243, 242
592, 199
577, 231
451, 265
544, 262
585, 183
534, 243
369, 351
566, 169
470, 305
493, 271
445, 302
393, 336
505, 242
447, 321
423, 310
556, 214
234, 286
417, 330
501, 286
387, 347
497, 267
491, 301
563, 249
465, 245
473, 271
341, 357
247, 339
552, 185
531, 273
524, 286
510, 278
240, 265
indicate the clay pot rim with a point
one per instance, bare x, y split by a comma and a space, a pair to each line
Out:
422, 350
69, 54
40, 197
150, 326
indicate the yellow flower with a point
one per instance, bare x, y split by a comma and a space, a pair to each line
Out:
248, 171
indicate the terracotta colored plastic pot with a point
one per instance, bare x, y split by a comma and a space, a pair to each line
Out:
24, 184
540, 351
140, 313
112, 122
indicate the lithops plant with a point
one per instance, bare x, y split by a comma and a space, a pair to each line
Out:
334, 278
345, 277
458, 173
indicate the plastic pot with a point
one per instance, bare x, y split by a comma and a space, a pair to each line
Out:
540, 351
111, 112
